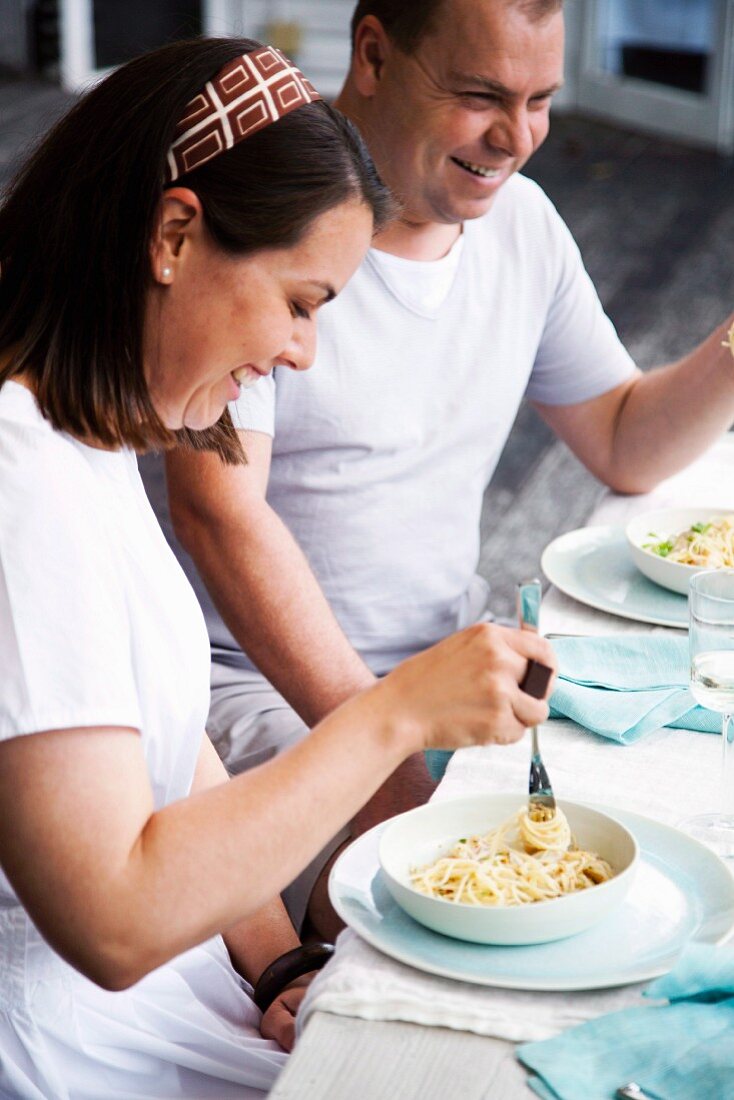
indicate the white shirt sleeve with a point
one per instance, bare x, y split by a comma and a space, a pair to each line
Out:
254, 409
580, 354
65, 651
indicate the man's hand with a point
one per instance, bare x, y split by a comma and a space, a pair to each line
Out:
279, 1022
653, 424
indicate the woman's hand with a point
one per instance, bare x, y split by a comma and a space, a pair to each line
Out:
465, 690
279, 1021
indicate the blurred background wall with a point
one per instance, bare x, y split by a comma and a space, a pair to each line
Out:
665, 66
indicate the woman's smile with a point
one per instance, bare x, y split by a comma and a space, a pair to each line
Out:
248, 375
255, 310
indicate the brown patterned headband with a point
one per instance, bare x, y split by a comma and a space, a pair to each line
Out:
250, 92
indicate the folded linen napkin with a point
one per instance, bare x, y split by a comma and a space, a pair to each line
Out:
623, 687
362, 982
627, 685
437, 761
678, 1051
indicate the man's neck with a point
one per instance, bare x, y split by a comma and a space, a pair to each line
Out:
417, 241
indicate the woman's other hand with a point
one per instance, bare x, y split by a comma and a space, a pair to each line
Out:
279, 1020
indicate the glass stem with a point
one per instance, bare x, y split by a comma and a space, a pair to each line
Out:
727, 793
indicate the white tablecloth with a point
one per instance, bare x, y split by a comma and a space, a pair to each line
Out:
668, 775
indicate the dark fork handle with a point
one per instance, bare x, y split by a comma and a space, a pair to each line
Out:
536, 679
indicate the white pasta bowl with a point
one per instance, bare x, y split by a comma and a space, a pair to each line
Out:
662, 524
415, 839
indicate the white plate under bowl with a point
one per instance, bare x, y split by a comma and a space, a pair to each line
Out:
417, 838
682, 893
657, 527
594, 566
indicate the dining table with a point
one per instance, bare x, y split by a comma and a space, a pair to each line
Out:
668, 774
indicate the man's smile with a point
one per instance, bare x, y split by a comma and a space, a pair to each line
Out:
477, 169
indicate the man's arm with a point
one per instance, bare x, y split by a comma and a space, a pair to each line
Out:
259, 579
656, 423
266, 593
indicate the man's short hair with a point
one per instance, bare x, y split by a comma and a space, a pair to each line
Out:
409, 21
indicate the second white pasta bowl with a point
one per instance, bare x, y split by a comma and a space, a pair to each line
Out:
415, 839
652, 528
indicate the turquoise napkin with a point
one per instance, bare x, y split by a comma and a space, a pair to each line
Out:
437, 760
680, 1051
627, 685
621, 687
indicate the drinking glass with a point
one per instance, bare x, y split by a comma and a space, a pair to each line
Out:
711, 641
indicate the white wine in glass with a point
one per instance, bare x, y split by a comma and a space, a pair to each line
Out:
711, 641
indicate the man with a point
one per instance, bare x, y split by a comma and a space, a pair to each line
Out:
358, 547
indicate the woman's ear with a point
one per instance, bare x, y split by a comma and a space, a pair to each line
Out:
180, 220
371, 46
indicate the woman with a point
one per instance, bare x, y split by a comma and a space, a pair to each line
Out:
171, 240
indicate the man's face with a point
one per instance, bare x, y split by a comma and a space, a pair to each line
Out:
455, 119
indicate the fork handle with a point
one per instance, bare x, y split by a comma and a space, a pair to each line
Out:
535, 680
528, 595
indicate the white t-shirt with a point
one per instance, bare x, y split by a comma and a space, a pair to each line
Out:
383, 450
99, 627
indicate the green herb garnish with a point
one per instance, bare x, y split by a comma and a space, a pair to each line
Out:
662, 549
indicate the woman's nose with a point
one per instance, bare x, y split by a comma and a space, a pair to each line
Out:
301, 352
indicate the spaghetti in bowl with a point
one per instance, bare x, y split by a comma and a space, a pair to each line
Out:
671, 545
415, 842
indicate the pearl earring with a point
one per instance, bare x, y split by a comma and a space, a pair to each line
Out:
166, 273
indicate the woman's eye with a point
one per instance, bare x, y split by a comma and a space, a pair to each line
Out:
300, 311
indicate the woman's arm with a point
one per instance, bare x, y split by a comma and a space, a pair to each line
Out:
118, 888
255, 942
252, 943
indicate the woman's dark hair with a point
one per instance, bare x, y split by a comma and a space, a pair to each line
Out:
409, 21
78, 221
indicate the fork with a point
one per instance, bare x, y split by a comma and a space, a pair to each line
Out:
541, 803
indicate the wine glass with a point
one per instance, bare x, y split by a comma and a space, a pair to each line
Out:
711, 642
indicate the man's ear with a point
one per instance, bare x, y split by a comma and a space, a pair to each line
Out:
372, 46
180, 219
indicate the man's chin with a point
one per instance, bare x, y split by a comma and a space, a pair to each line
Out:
455, 210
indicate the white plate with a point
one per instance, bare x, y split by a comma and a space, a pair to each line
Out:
682, 893
594, 566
